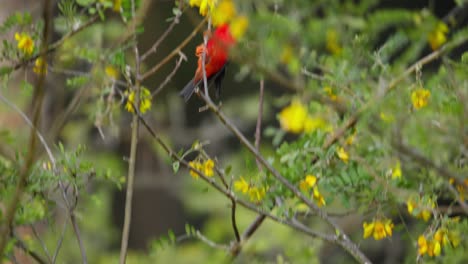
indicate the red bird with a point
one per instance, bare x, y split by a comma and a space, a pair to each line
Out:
216, 58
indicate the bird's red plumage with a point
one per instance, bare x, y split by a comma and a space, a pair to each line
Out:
216, 56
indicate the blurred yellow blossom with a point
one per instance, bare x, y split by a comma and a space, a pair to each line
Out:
208, 166
396, 171
329, 91
438, 36
257, 193
332, 43
204, 5
40, 66
350, 139
239, 26
197, 166
145, 100
307, 183
386, 117
342, 154
287, 54
112, 72
318, 198
420, 98
292, 117
420, 209
461, 188
312, 124
447, 237
25, 43
117, 5
378, 228
242, 185
431, 247
223, 13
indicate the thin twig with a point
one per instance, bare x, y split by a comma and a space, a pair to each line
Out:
59, 243
176, 51
257, 222
170, 75
41, 242
30, 252
76, 230
212, 244
258, 126
133, 151
155, 46
31, 125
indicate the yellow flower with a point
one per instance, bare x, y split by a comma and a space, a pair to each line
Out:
431, 248
438, 36
454, 238
396, 171
117, 5
422, 245
411, 205
309, 182
332, 44
350, 139
434, 249
40, 66
242, 185
287, 54
389, 227
329, 91
386, 117
292, 117
257, 194
425, 215
196, 165
224, 12
461, 191
379, 231
425, 211
25, 43
314, 123
145, 100
378, 228
239, 26
195, 2
318, 198
208, 167
112, 72
204, 5
420, 98
342, 154
368, 229
441, 236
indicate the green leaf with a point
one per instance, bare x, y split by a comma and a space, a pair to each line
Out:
4, 70
171, 236
85, 2
175, 166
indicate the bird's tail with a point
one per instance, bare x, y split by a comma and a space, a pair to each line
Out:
188, 90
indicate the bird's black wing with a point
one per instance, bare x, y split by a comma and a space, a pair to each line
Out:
217, 78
